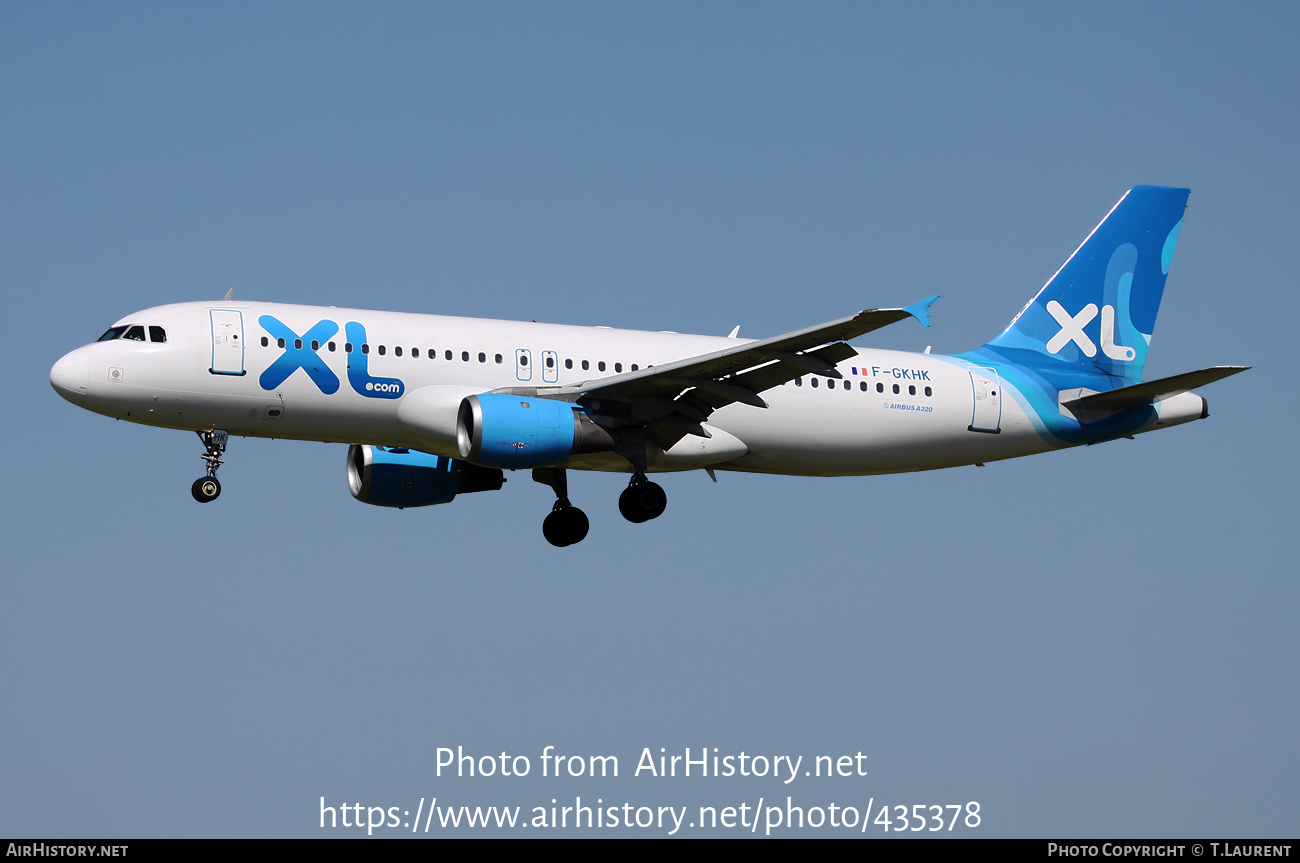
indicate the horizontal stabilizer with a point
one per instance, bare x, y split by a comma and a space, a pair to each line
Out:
1151, 391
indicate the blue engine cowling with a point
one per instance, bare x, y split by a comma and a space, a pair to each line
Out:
507, 431
391, 476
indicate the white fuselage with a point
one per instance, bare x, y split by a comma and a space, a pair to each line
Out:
890, 412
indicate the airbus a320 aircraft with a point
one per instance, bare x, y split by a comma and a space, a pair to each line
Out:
437, 406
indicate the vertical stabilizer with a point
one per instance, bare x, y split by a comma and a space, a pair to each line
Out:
1097, 313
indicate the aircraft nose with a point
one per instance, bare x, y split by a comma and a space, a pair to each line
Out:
69, 377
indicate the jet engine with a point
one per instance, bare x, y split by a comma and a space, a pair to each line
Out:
392, 476
506, 431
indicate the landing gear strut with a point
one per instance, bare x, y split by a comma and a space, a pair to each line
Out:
566, 524
642, 500
206, 488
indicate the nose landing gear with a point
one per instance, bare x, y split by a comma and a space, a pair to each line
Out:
206, 488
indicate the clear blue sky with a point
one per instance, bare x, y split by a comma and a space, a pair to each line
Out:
1098, 642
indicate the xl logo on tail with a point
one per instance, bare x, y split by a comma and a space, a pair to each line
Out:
1072, 331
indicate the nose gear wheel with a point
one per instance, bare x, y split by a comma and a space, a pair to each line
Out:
206, 488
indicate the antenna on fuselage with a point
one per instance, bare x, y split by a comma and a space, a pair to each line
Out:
734, 332
230, 295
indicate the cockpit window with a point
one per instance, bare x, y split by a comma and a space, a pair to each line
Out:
135, 334
114, 333
157, 334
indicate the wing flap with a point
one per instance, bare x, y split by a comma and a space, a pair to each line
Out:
672, 400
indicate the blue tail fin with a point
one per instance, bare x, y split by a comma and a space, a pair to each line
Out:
1099, 310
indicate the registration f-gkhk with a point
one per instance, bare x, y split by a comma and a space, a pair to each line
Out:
435, 406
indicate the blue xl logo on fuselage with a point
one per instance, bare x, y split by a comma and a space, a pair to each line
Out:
300, 353
359, 376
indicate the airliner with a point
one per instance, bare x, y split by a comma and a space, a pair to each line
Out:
436, 406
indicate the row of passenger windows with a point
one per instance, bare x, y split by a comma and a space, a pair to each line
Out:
134, 333
432, 354
863, 386
550, 360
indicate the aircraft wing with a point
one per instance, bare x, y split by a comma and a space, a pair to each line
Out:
1151, 391
673, 399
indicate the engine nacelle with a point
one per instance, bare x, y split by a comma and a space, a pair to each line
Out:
390, 476
428, 415
505, 431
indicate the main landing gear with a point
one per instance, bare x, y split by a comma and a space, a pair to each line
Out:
641, 501
206, 488
566, 524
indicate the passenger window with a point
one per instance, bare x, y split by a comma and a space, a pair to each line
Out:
568, 364
415, 352
265, 342
397, 351
848, 386
464, 356
157, 334
347, 347
880, 388
863, 386
523, 360
601, 365
895, 389
499, 358
633, 366
911, 390
279, 343
297, 344
813, 382
382, 350
928, 391
365, 348
585, 365
135, 334
331, 346
315, 345
482, 357
113, 333
550, 361
798, 382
